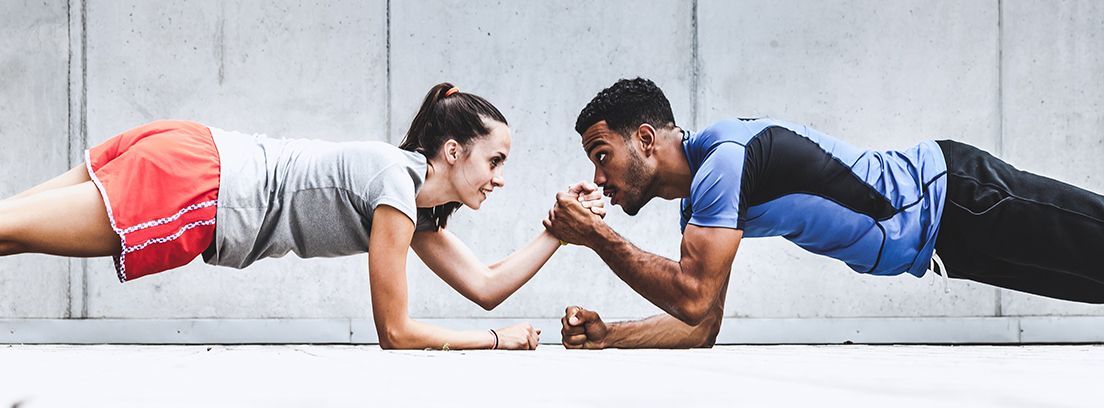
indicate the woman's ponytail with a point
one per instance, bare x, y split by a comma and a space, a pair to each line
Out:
416, 135
448, 114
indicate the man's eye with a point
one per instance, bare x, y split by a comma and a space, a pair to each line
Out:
600, 157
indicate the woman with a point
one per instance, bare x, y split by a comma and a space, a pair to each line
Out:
151, 196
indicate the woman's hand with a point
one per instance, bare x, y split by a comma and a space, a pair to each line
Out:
521, 336
589, 196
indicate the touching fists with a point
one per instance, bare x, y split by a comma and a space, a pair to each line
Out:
589, 197
583, 329
571, 221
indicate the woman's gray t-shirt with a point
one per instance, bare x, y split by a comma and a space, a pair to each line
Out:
311, 197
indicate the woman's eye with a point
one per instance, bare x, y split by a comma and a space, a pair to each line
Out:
495, 162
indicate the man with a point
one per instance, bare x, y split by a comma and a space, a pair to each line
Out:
882, 213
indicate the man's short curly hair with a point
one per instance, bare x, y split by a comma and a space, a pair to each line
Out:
625, 106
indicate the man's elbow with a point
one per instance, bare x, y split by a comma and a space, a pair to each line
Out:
691, 311
711, 328
704, 334
695, 304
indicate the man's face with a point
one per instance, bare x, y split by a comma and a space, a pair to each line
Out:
619, 168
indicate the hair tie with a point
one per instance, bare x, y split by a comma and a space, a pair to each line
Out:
493, 333
451, 91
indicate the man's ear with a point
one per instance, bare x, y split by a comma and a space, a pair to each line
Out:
451, 150
646, 136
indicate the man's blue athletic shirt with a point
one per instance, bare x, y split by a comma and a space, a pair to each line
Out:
876, 211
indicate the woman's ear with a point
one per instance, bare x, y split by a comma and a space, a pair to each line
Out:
451, 150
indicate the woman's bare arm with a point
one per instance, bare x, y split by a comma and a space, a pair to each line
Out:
489, 285
391, 236
486, 285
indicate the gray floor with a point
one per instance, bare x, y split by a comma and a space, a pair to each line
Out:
296, 376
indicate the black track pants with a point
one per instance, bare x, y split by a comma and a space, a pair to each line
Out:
1018, 230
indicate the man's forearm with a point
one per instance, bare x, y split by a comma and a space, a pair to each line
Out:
655, 277
663, 331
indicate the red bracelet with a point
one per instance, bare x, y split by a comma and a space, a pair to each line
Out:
495, 337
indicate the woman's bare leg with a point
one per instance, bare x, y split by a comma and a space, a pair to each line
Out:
74, 176
66, 221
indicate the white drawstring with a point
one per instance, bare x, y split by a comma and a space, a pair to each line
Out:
942, 272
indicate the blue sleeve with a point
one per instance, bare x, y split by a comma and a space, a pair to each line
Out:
715, 189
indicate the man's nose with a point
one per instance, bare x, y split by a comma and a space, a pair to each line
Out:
599, 177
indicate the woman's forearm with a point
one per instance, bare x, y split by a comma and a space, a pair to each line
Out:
485, 285
406, 333
411, 334
508, 275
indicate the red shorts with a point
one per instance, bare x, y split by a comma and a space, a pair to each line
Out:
160, 184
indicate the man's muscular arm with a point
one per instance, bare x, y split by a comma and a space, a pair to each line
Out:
583, 328
686, 289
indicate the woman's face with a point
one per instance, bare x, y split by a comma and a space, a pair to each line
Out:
479, 171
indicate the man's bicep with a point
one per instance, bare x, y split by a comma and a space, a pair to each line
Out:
706, 262
710, 251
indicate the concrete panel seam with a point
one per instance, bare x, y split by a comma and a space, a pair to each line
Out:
999, 307
388, 58
1019, 330
77, 92
1000, 89
695, 73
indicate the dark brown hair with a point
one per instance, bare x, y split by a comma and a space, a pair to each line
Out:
625, 106
462, 117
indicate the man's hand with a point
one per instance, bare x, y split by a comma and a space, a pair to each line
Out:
583, 329
576, 214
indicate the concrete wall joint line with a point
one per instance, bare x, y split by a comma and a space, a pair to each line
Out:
1000, 77
76, 93
999, 302
69, 134
695, 83
388, 58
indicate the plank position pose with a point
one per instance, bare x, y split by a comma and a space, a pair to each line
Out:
151, 196
880, 212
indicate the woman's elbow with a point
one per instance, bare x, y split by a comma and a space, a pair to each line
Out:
485, 294
394, 338
488, 303
388, 342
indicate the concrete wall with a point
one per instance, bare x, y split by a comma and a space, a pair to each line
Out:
1018, 78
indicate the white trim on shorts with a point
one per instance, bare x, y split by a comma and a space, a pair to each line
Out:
120, 260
